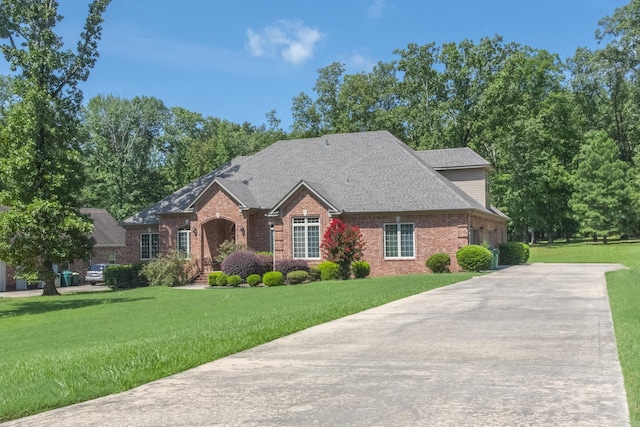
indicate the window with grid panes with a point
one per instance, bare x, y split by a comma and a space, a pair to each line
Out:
149, 245
306, 237
399, 240
184, 241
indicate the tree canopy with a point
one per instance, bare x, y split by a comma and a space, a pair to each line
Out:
41, 171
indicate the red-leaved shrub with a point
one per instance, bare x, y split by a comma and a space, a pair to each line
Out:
242, 263
286, 266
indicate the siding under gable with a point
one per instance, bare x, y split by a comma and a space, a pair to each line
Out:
471, 181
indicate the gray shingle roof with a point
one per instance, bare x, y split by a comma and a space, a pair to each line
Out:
450, 158
356, 172
106, 230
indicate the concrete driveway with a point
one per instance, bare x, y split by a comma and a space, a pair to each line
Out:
528, 345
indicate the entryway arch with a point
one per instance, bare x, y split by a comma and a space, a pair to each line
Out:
214, 232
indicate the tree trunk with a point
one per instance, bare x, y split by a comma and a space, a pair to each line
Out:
46, 274
50, 288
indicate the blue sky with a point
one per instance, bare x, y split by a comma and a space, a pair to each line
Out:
239, 59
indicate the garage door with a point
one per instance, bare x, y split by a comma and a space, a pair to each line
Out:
3, 277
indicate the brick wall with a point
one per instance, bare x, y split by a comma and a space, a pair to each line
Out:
217, 218
433, 233
168, 229
258, 230
132, 241
484, 229
302, 203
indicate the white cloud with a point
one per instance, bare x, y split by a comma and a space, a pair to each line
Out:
358, 62
292, 40
375, 9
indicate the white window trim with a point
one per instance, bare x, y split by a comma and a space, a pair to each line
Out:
306, 224
150, 245
185, 230
399, 237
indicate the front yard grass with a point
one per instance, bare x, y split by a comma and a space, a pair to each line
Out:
61, 350
624, 297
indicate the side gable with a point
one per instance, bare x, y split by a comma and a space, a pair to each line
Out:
463, 167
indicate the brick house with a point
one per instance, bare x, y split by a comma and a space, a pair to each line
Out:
408, 204
108, 249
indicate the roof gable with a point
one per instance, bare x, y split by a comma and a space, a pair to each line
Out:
315, 189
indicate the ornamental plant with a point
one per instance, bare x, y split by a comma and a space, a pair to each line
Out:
474, 258
286, 266
242, 263
212, 278
273, 278
254, 279
343, 245
361, 269
514, 253
296, 277
329, 270
234, 280
439, 263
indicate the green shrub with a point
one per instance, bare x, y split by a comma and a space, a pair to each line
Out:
212, 278
234, 280
227, 247
514, 253
439, 263
221, 280
511, 253
525, 253
254, 279
125, 276
361, 269
170, 269
329, 270
474, 258
273, 278
295, 277
314, 274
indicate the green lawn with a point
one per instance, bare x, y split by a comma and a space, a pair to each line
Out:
61, 350
624, 297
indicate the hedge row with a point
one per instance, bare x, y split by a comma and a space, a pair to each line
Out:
125, 276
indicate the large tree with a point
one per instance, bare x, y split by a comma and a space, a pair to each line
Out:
124, 153
601, 200
41, 171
